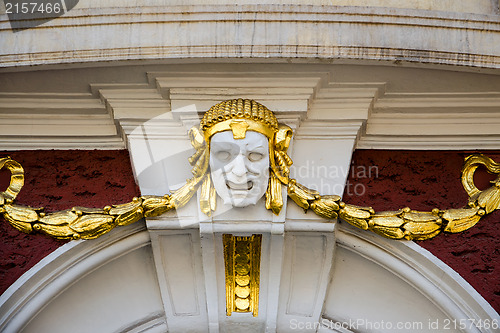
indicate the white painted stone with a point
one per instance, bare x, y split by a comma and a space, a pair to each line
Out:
306, 275
111, 298
239, 168
322, 157
177, 255
480, 6
105, 285
320, 30
429, 290
374, 279
159, 151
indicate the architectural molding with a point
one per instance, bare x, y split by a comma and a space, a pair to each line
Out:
56, 120
440, 120
155, 323
284, 31
323, 104
190, 95
177, 255
416, 272
61, 270
436, 142
421, 270
388, 120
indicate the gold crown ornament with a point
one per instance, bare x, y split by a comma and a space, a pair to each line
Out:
239, 116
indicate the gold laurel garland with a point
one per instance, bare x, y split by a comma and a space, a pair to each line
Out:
407, 223
90, 223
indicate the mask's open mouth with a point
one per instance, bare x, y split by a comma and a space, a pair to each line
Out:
239, 187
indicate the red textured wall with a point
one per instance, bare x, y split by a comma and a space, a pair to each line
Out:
57, 180
424, 180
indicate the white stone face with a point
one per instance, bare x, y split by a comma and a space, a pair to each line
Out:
239, 168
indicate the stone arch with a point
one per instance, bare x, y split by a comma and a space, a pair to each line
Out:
111, 284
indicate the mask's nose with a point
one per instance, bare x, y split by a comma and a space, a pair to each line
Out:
239, 168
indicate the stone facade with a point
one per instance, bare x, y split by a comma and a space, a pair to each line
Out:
385, 99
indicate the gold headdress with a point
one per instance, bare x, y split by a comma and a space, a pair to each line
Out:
240, 116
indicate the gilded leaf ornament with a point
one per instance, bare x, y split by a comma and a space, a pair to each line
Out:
241, 116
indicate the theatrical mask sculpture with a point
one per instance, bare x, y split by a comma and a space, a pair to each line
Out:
239, 167
241, 155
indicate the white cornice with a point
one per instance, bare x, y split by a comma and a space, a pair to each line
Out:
325, 106
452, 142
56, 121
440, 120
256, 31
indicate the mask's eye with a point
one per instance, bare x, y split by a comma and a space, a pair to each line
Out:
223, 155
254, 156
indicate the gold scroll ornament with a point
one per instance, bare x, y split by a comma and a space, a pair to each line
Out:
405, 223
